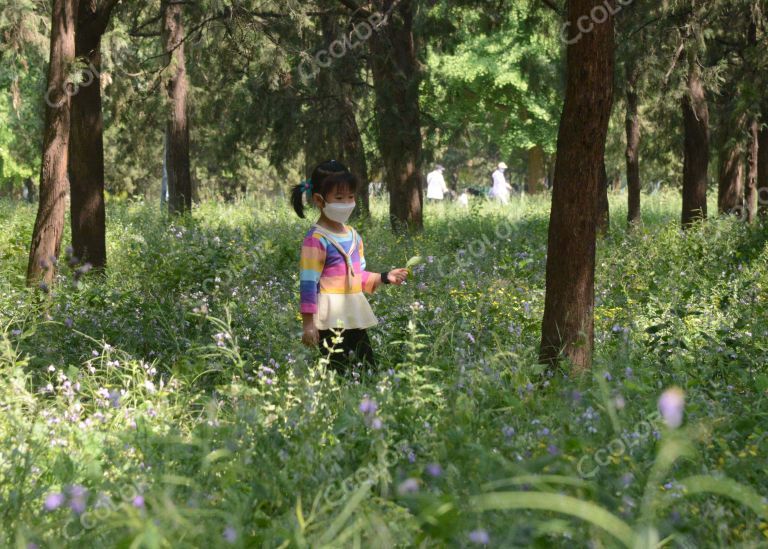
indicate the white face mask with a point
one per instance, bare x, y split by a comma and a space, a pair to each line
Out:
339, 211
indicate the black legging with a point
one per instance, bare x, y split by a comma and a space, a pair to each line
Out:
356, 349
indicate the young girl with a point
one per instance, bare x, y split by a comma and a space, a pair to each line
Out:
332, 269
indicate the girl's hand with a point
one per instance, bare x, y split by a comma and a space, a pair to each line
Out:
311, 336
397, 276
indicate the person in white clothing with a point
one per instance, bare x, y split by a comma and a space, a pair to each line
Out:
501, 188
436, 187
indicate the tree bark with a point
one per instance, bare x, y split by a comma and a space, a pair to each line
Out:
730, 187
750, 190
568, 324
177, 87
86, 145
536, 172
616, 182
762, 171
353, 152
164, 177
46, 236
331, 130
396, 79
632, 153
603, 207
696, 147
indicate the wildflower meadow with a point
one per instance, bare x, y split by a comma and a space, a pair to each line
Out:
169, 402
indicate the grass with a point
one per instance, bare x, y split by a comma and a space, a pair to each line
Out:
170, 404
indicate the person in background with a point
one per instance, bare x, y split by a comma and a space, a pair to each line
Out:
436, 187
501, 188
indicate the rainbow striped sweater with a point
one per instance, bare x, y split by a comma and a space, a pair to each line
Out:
333, 278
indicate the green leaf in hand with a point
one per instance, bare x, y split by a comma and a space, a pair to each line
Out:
415, 260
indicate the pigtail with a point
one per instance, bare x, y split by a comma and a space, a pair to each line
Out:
316, 184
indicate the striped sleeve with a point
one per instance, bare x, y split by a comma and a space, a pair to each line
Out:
371, 281
310, 268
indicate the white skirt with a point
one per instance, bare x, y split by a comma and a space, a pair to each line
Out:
349, 311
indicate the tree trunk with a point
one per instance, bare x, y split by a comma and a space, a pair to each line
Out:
331, 124
353, 152
164, 177
86, 145
29, 190
396, 80
46, 236
750, 191
762, 170
730, 188
568, 324
632, 153
696, 147
536, 173
177, 87
603, 207
616, 183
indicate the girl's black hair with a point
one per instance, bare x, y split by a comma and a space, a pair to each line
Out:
325, 178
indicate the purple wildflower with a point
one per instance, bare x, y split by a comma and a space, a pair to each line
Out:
77, 496
479, 536
368, 406
434, 470
53, 501
230, 534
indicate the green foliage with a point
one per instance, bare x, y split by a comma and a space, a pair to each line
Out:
493, 83
176, 392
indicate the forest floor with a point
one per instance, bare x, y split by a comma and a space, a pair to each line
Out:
171, 404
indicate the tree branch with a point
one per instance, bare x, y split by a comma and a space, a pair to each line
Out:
355, 8
554, 7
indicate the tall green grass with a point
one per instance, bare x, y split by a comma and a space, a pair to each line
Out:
170, 403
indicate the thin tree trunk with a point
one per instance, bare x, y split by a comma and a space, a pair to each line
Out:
46, 236
696, 147
616, 182
164, 177
750, 191
86, 146
568, 324
331, 124
730, 187
603, 207
396, 80
177, 87
762, 170
353, 151
551, 170
632, 153
536, 174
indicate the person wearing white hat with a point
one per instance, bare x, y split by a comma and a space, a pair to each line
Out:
436, 187
501, 188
